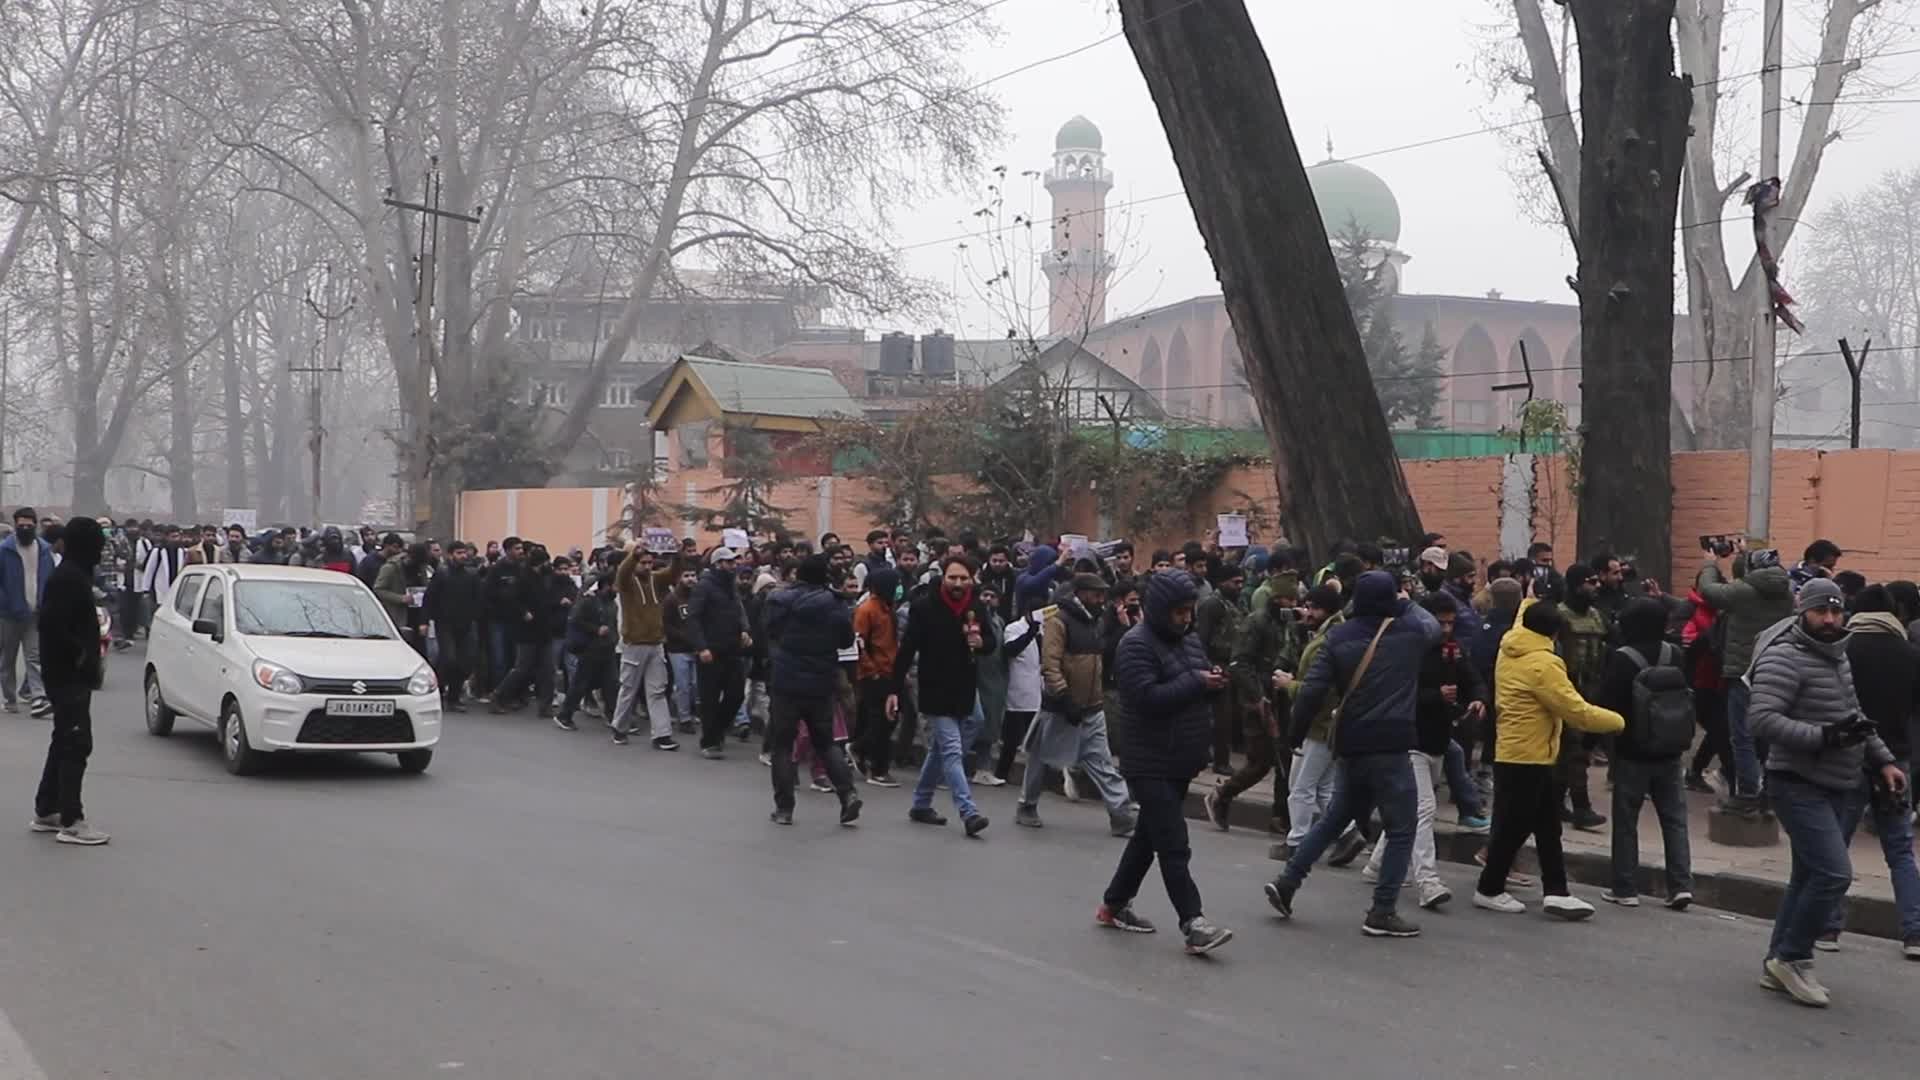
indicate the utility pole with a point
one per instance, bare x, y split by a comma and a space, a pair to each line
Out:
1760, 435
319, 369
1856, 369
418, 468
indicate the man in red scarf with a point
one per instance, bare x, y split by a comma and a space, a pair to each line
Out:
949, 630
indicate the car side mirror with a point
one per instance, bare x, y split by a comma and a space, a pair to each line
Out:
207, 627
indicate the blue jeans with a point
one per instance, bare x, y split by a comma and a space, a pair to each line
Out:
1895, 826
1746, 762
499, 649
947, 739
1360, 785
683, 665
1466, 794
1814, 818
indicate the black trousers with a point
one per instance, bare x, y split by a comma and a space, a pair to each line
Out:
872, 731
1260, 758
595, 670
1159, 832
720, 698
529, 669
785, 714
67, 754
1013, 732
458, 647
1226, 723
1576, 756
1710, 710
1526, 802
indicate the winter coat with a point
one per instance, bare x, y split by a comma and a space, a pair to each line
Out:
1160, 673
1536, 701
453, 598
368, 569
1070, 659
13, 580
1642, 628
880, 643
1269, 641
500, 584
69, 627
642, 597
530, 623
1801, 685
592, 613
1217, 620
1467, 624
1485, 650
675, 614
715, 616
1749, 605
1034, 588
1446, 664
1002, 583
806, 627
390, 588
1697, 637
936, 636
1376, 716
1317, 726
1886, 677
1583, 645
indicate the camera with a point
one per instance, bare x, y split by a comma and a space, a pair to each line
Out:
1719, 545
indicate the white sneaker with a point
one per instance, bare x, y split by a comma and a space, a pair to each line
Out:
1433, 894
1570, 908
81, 833
985, 778
1623, 901
1504, 903
1370, 875
1796, 978
767, 760
1067, 785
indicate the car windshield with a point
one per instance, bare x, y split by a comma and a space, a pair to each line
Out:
307, 609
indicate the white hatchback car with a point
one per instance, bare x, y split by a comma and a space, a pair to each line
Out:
281, 658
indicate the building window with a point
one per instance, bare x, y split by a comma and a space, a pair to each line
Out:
619, 458
549, 393
1471, 415
620, 395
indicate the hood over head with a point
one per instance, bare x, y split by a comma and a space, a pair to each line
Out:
1376, 593
85, 540
1877, 622
1165, 591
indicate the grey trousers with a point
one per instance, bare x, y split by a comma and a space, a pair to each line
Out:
16, 636
643, 670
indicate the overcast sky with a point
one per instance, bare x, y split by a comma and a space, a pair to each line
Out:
1375, 74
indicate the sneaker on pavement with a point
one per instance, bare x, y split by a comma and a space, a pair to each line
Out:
1346, 849
822, 785
1504, 903
1478, 824
620, 739
850, 809
1828, 942
985, 778
12, 706
1280, 895
764, 759
44, 823
1217, 807
976, 824
42, 708
883, 781
1433, 894
781, 817
1570, 908
81, 833
1123, 919
1911, 948
926, 815
1680, 901
1624, 901
714, 753
1370, 875
1514, 881
1121, 825
1698, 782
1028, 815
1588, 820
1067, 785
1796, 978
1203, 937
565, 723
665, 742
1388, 924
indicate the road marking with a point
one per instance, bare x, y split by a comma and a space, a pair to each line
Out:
16, 1061
987, 948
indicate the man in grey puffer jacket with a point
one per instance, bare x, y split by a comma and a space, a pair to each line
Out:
1820, 749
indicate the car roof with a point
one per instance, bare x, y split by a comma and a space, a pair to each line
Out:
275, 572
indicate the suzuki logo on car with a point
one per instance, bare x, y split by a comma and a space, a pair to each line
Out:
359, 687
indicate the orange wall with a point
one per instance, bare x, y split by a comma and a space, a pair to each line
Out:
1867, 501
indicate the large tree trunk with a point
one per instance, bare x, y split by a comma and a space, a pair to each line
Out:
1633, 114
1334, 460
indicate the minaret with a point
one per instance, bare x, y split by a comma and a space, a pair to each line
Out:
1077, 263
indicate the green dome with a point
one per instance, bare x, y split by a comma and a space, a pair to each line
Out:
1077, 134
1348, 195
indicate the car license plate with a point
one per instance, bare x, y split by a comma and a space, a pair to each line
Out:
358, 707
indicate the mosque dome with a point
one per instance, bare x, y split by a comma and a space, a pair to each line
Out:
1078, 133
1349, 195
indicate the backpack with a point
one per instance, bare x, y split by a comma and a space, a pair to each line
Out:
1661, 724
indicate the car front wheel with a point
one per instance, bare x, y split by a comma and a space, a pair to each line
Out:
415, 761
242, 758
159, 717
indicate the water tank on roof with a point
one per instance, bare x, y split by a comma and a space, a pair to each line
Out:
896, 353
936, 353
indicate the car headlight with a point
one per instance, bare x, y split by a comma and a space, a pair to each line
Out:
423, 682
276, 678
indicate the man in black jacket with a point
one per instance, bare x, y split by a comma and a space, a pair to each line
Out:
501, 581
949, 630
1166, 681
716, 626
1638, 771
807, 625
70, 666
454, 605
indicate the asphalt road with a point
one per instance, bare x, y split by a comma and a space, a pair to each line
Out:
544, 905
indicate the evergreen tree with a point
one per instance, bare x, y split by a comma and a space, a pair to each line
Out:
1407, 381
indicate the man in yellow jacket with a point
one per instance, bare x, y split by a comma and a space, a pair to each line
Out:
1536, 704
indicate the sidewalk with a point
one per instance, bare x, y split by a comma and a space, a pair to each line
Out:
1747, 881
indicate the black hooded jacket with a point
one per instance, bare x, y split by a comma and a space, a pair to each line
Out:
69, 627
1161, 675
1642, 627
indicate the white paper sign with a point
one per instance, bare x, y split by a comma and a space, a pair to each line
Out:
1076, 545
1233, 530
735, 539
246, 519
659, 541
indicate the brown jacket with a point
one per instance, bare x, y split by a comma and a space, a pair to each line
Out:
880, 641
1071, 651
642, 617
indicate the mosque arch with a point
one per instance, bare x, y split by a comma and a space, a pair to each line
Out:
1238, 395
1474, 369
1180, 377
1152, 379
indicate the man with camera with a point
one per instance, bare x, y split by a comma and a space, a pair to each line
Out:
1821, 751
1759, 596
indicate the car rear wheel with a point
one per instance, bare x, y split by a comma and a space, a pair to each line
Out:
242, 758
159, 717
415, 761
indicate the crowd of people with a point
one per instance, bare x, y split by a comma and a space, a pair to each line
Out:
1364, 684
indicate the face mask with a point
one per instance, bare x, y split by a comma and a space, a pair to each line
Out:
25, 533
